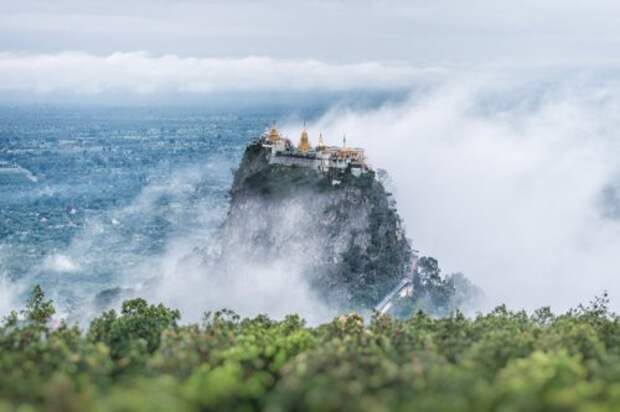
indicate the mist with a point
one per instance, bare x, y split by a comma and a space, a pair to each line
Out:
509, 179
196, 266
119, 74
235, 270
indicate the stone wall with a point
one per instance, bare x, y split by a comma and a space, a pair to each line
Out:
294, 161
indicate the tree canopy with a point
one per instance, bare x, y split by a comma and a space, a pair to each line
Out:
142, 358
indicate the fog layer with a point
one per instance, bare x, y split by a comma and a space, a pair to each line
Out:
509, 178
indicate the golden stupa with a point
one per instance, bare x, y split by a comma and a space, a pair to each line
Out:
304, 142
274, 135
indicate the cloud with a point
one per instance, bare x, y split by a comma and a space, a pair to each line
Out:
9, 292
416, 31
59, 263
141, 73
231, 270
502, 177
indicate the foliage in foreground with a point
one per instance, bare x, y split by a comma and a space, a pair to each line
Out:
143, 359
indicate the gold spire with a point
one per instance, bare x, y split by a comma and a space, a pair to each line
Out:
304, 142
274, 135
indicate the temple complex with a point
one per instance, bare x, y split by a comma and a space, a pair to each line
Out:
320, 157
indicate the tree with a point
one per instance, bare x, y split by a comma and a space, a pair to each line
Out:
136, 331
38, 310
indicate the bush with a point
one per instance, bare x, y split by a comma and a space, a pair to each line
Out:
141, 359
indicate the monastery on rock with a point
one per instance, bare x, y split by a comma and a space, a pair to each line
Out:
320, 157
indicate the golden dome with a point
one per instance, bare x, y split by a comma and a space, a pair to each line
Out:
304, 142
274, 135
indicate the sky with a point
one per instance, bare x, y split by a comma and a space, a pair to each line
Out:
87, 47
340, 31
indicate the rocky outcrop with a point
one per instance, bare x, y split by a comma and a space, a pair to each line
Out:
346, 238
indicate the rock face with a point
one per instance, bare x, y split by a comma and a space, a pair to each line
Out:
347, 238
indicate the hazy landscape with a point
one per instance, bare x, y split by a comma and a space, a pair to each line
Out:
373, 205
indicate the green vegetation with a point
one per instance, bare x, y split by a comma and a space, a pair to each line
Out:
143, 359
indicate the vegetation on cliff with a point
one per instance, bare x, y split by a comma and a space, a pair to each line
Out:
143, 359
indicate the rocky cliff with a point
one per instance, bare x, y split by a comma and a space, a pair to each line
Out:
347, 238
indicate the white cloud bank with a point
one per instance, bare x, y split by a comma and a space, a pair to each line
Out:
503, 179
140, 73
